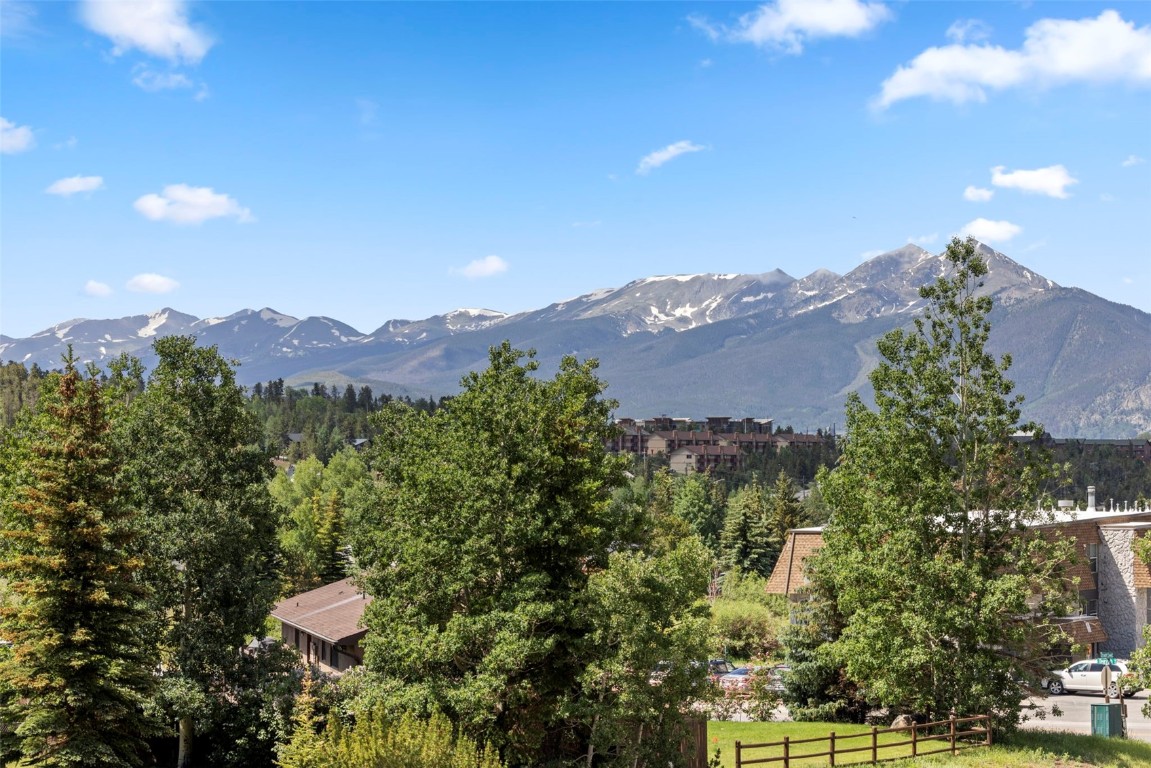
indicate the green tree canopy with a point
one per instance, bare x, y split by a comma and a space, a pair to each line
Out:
943, 587
491, 520
314, 502
78, 671
196, 469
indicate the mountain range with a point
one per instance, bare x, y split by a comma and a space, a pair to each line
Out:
765, 345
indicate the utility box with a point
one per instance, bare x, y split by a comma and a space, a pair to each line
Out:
1107, 720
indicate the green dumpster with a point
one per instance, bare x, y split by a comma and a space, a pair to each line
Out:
1107, 720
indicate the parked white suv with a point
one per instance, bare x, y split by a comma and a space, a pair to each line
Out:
1087, 676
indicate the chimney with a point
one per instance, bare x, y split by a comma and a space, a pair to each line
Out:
1090, 498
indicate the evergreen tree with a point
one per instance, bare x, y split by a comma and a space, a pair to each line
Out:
364, 400
78, 671
746, 542
784, 512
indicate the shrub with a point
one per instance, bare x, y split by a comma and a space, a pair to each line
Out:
373, 740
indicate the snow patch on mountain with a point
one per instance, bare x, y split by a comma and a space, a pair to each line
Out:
282, 320
155, 321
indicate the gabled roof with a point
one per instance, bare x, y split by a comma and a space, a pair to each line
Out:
331, 612
787, 577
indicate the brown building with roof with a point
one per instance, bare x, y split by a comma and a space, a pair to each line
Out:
701, 458
324, 625
1114, 584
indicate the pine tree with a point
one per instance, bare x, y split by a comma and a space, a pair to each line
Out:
783, 512
78, 672
745, 542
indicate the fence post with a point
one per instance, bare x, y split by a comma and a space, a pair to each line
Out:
987, 725
874, 744
914, 740
831, 751
738, 754
786, 752
952, 718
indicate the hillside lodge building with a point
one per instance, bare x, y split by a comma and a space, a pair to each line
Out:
717, 442
1114, 585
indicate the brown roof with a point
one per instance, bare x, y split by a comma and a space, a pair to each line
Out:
331, 612
787, 577
708, 450
785, 438
1083, 630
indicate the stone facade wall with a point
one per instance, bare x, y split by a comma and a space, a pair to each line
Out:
1117, 597
1142, 597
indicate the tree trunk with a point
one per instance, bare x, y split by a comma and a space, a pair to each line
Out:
184, 758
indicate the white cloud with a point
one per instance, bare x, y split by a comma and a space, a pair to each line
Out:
74, 184
968, 30
1131, 160
988, 231
485, 267
866, 255
15, 138
786, 25
181, 204
1051, 181
654, 160
923, 240
68, 143
148, 79
157, 27
150, 282
978, 194
704, 25
96, 288
1055, 51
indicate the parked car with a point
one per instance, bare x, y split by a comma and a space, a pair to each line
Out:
1087, 676
717, 668
738, 679
775, 677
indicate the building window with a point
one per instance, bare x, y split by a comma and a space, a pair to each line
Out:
1090, 607
1093, 556
297, 639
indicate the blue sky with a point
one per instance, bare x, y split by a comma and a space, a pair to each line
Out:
370, 161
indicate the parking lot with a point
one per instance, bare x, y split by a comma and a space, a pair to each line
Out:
1076, 718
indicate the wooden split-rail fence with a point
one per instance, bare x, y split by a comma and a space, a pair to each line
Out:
951, 735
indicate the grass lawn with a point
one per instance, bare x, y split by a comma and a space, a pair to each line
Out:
1026, 749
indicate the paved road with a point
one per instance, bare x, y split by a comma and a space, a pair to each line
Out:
1076, 717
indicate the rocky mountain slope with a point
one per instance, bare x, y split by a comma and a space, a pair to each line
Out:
765, 345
